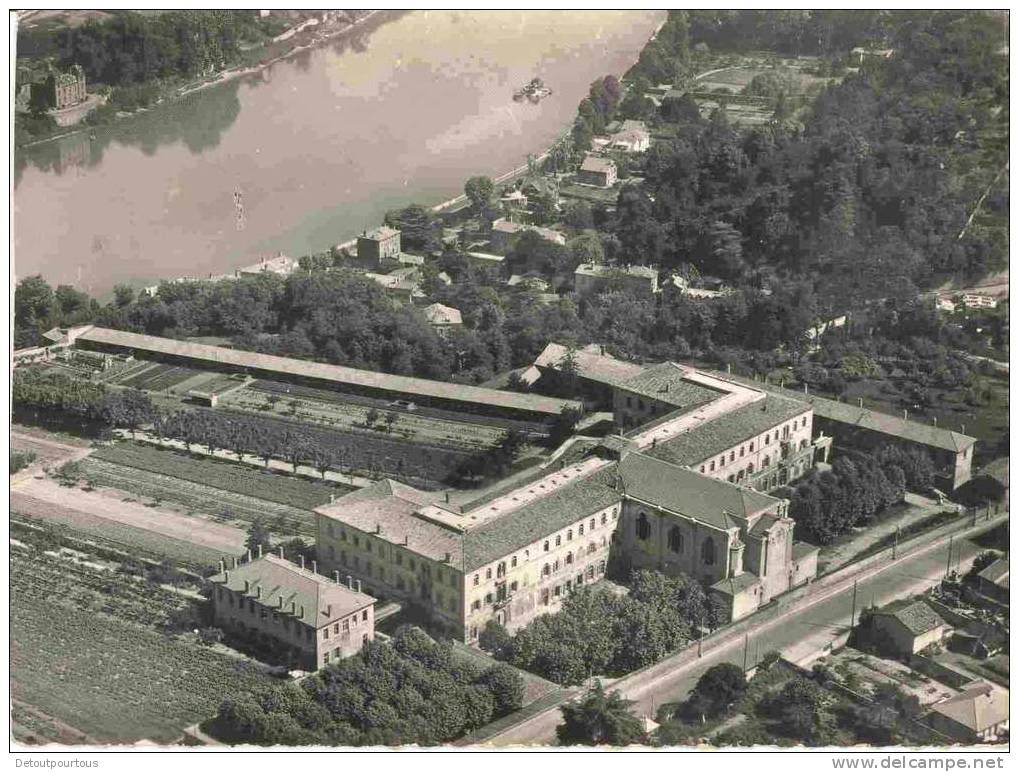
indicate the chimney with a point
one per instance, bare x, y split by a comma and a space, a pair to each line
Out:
406, 538
293, 607
281, 552
329, 610
905, 415
314, 566
357, 585
249, 556
247, 585
861, 401
804, 388
935, 420
222, 565
449, 556
336, 576
447, 497
259, 550
332, 497
350, 582
302, 562
280, 601
226, 577
378, 528
258, 591
301, 615
963, 428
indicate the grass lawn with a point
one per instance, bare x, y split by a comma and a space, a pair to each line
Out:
93, 659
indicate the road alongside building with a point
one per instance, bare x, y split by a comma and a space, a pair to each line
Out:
805, 630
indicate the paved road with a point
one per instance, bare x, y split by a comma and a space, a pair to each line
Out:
800, 633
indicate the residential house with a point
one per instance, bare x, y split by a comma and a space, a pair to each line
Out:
908, 626
631, 137
979, 713
591, 278
443, 318
993, 580
317, 620
505, 234
598, 171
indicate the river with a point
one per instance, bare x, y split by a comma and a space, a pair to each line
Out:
318, 146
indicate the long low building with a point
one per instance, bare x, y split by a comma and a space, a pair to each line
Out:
426, 392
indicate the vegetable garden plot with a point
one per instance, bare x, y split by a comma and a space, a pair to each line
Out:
294, 492
86, 651
198, 497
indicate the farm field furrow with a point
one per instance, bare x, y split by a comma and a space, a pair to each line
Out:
113, 679
196, 497
293, 492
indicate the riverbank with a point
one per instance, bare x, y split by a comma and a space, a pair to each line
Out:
300, 42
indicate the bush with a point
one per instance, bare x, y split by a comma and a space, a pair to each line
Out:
20, 460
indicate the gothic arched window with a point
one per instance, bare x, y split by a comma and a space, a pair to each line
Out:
643, 527
675, 539
708, 552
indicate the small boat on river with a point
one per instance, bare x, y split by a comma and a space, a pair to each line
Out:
534, 91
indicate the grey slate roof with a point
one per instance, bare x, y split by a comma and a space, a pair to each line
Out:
735, 585
981, 706
709, 501
665, 382
996, 573
332, 373
283, 583
517, 529
712, 437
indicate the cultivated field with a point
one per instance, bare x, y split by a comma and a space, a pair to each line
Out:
337, 411
88, 650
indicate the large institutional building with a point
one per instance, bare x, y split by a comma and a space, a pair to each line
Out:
683, 487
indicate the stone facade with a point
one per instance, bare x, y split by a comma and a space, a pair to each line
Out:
315, 619
379, 248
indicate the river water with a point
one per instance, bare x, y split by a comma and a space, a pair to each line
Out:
317, 146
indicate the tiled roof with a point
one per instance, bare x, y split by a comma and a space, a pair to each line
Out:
709, 501
390, 505
333, 373
915, 616
518, 528
998, 469
923, 434
977, 708
285, 586
437, 313
728, 429
667, 383
737, 585
381, 233
609, 271
996, 573
590, 364
595, 163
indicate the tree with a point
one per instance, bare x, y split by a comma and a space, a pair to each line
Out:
33, 302
506, 686
717, 689
599, 719
479, 191
495, 639
258, 536
123, 295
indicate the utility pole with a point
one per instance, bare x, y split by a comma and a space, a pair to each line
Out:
895, 544
948, 565
746, 644
852, 614
699, 639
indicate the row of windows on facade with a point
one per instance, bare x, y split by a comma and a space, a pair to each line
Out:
263, 613
368, 568
337, 653
675, 539
547, 593
397, 554
750, 467
369, 573
500, 569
